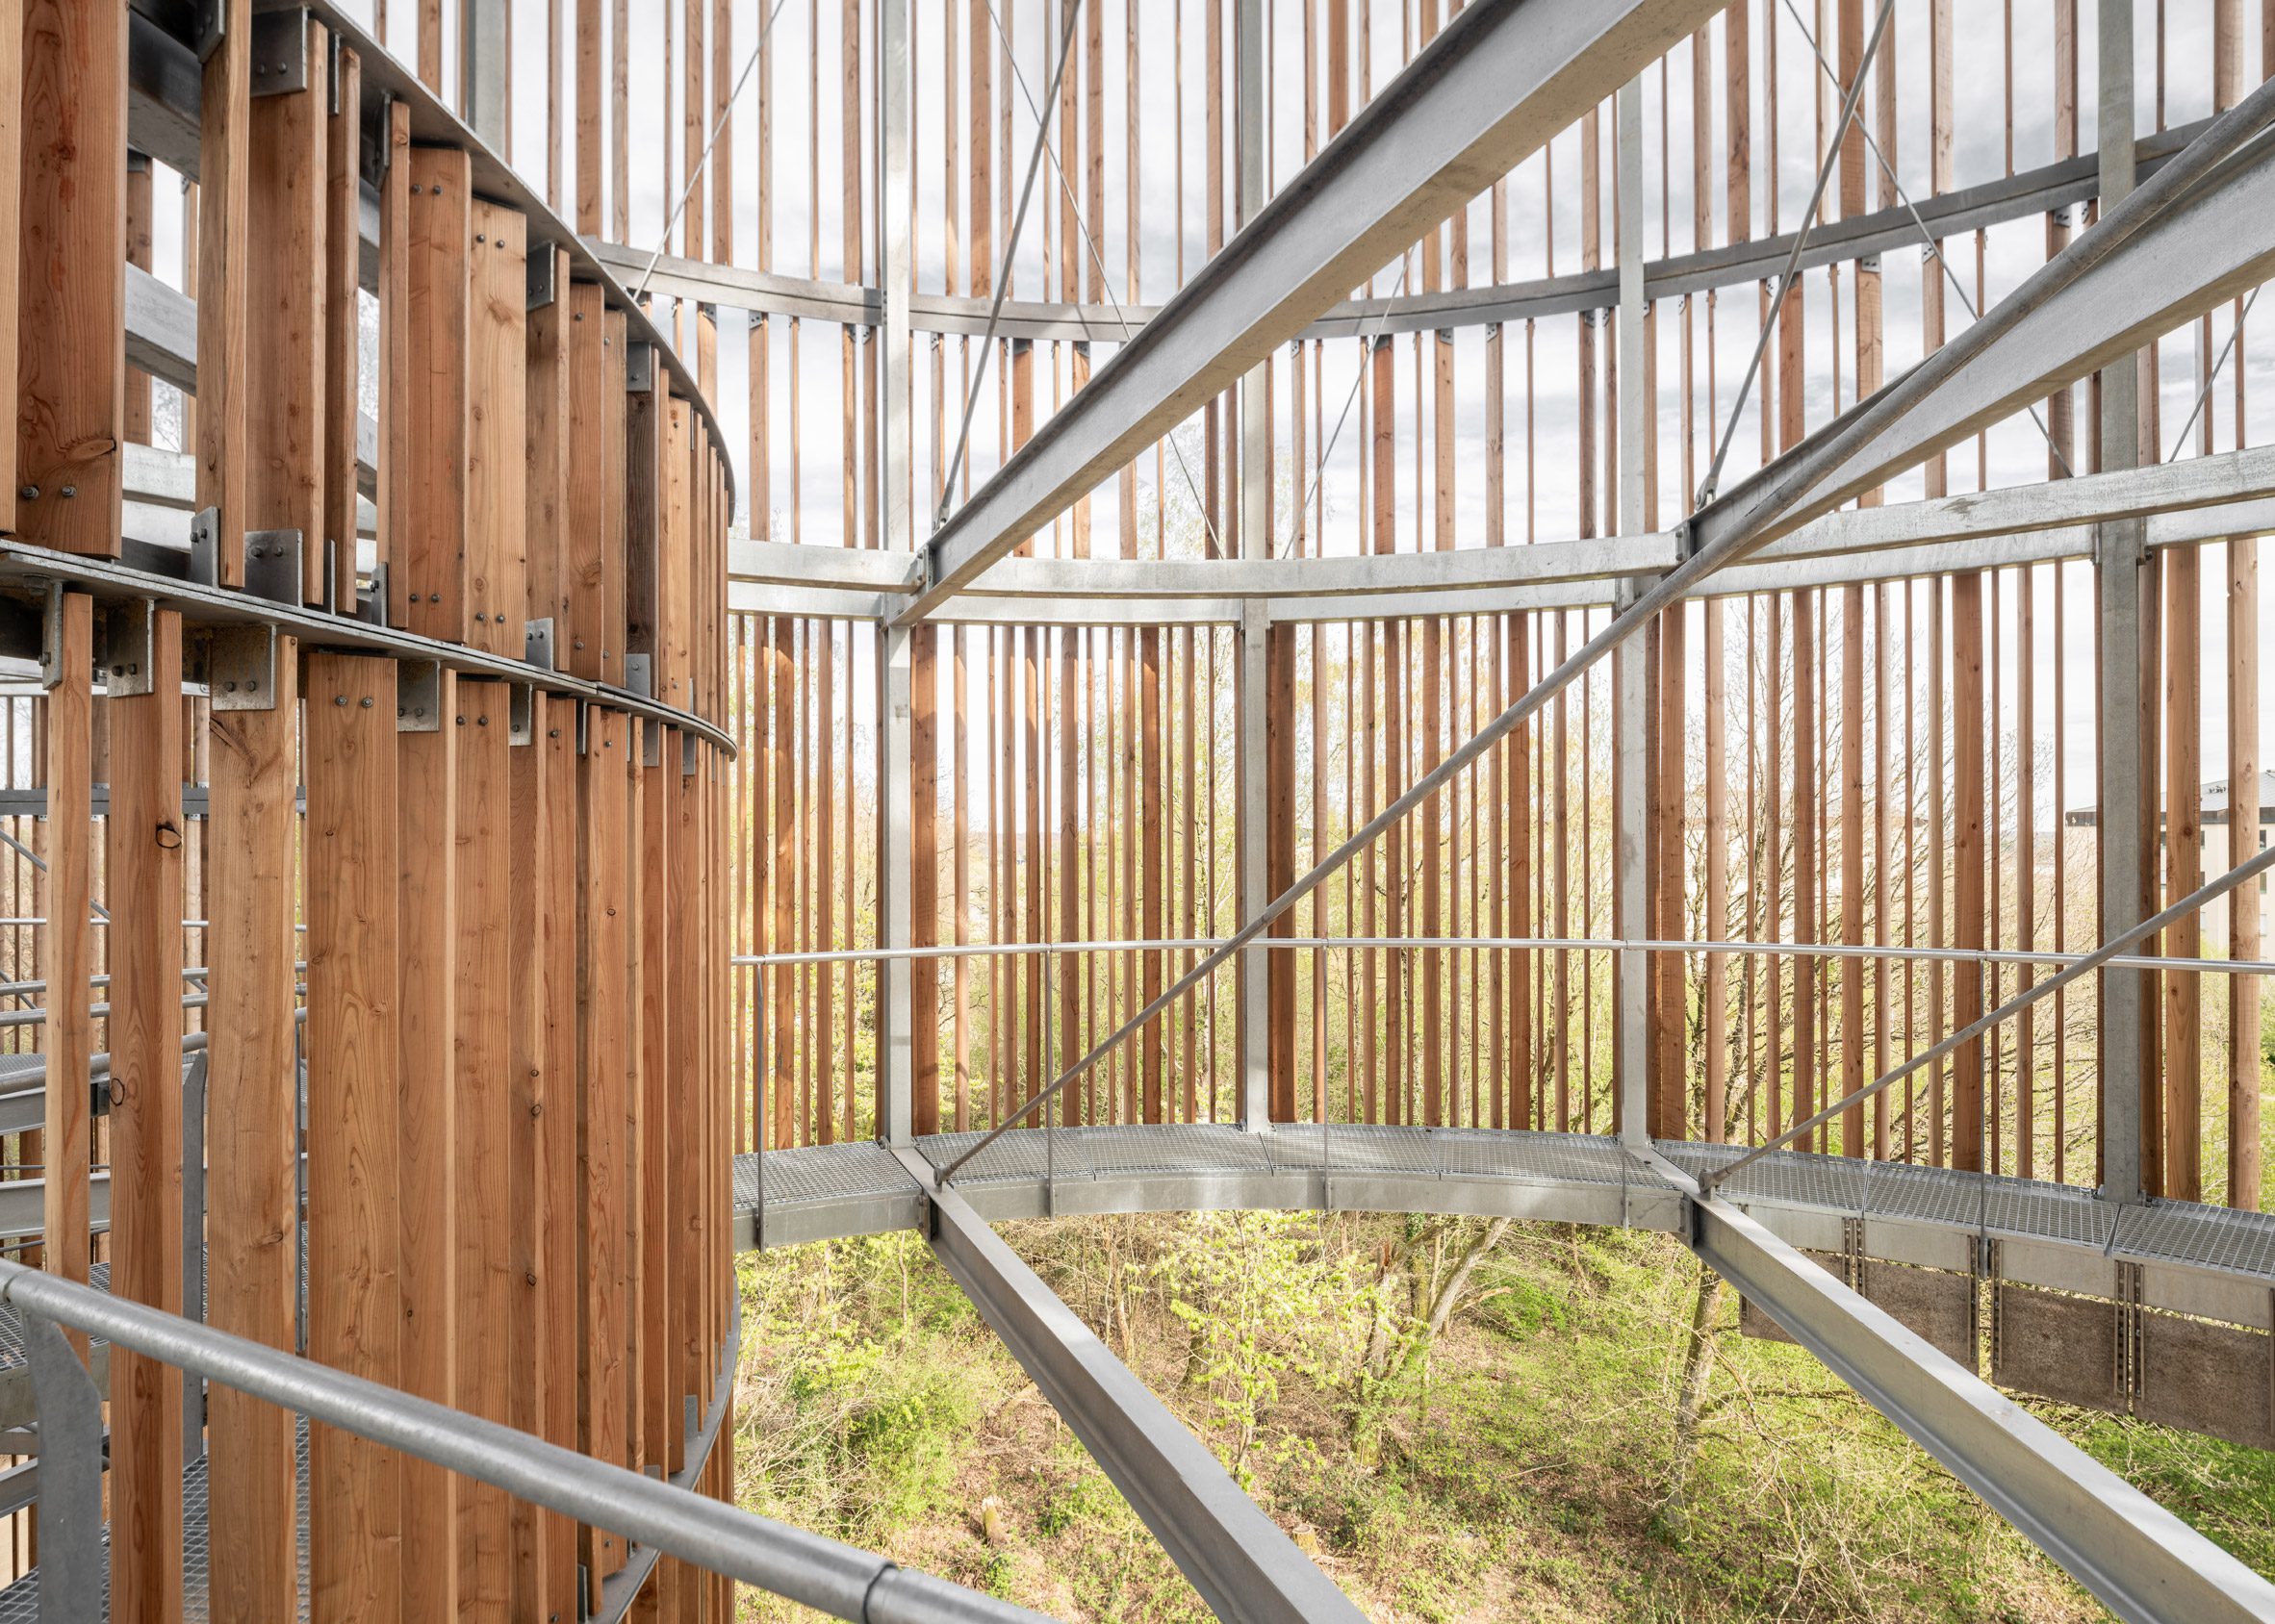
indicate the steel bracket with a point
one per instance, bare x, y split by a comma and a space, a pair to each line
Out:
419, 696
272, 565
687, 747
50, 635
240, 668
542, 264
280, 53
520, 707
373, 610
205, 547
210, 26
639, 368
639, 675
650, 742
126, 632
537, 643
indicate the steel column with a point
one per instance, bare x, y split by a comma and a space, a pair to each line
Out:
1631, 764
895, 825
2118, 565
1256, 541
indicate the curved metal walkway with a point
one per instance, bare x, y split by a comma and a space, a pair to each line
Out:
2209, 1262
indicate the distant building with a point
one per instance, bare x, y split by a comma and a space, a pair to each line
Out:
2216, 847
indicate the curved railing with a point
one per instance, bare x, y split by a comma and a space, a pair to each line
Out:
441, 690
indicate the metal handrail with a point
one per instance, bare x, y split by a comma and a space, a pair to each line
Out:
2102, 958
1605, 944
807, 1568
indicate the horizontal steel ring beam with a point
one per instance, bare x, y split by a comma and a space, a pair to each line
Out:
1500, 78
2026, 195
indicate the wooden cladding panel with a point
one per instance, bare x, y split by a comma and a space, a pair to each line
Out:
497, 434
66, 944
355, 1303
426, 800
533, 1207
659, 854
343, 326
223, 240
12, 131
482, 1099
433, 558
589, 644
284, 297
675, 668
605, 1188
395, 468
253, 1149
143, 853
560, 1143
545, 563
71, 242
647, 415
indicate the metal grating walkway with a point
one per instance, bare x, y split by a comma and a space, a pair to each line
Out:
862, 1188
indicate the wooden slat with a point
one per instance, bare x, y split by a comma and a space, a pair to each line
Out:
647, 414
577, 639
546, 564
604, 1172
143, 859
662, 989
396, 396
11, 130
70, 236
481, 1054
614, 503
426, 803
355, 1301
284, 283
677, 632
559, 1144
433, 558
497, 434
252, 1150
66, 948
342, 325
137, 405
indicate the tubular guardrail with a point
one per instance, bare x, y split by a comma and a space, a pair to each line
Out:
839, 1579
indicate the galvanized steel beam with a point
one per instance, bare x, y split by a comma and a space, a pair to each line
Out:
1235, 1556
1499, 79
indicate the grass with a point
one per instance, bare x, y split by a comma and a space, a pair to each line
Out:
1529, 1470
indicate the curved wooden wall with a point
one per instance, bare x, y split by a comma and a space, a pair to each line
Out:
440, 792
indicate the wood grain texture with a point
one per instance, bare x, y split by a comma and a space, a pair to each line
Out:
426, 804
662, 1129
70, 243
482, 1048
355, 1304
433, 558
550, 454
67, 945
394, 500
252, 1150
604, 1185
559, 1146
12, 131
497, 428
343, 326
284, 288
143, 850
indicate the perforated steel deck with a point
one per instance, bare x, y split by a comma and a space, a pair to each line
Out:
20, 1602
857, 1181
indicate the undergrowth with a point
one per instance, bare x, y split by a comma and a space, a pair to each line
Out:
1522, 1462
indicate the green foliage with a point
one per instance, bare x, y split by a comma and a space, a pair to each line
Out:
1526, 1469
